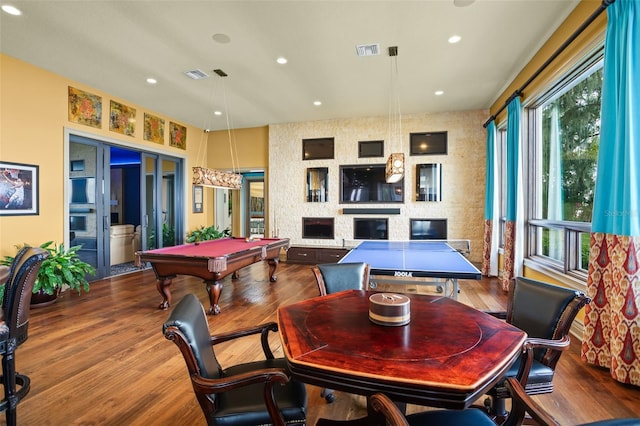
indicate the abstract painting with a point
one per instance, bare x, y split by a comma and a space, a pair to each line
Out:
85, 108
122, 119
177, 135
153, 128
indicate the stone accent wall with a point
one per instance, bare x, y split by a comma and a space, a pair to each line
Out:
463, 176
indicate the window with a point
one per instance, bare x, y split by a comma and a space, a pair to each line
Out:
501, 150
566, 128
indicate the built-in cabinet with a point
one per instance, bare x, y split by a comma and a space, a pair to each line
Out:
315, 255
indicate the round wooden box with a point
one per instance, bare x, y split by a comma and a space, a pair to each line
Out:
389, 309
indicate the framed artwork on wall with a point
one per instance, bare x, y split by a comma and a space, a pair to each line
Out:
122, 119
85, 108
197, 198
153, 128
18, 189
177, 135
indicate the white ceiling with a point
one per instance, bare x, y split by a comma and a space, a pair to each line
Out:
115, 45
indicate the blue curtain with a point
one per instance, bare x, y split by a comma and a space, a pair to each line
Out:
513, 155
491, 167
616, 207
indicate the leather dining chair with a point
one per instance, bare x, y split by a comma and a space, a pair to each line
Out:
335, 277
258, 392
546, 312
14, 322
523, 405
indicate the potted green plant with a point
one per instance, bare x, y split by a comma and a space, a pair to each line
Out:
62, 267
205, 233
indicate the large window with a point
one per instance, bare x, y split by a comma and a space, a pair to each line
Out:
566, 135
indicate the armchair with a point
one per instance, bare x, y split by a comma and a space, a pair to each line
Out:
522, 404
252, 393
335, 277
14, 322
545, 312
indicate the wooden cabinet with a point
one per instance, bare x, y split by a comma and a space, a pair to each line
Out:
315, 255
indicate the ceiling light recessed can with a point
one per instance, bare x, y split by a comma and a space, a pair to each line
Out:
317, 103
11, 10
454, 39
217, 112
221, 38
439, 92
152, 80
282, 60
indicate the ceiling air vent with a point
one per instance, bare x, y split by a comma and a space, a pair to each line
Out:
196, 74
368, 49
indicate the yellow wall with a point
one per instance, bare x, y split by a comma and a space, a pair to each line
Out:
576, 49
250, 148
33, 117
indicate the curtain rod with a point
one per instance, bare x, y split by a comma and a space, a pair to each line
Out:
585, 24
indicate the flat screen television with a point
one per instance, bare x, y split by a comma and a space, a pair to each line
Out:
77, 223
370, 229
317, 227
428, 229
365, 184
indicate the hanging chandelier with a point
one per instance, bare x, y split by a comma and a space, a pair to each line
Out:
394, 170
218, 178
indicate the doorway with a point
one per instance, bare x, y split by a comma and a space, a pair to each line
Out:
121, 200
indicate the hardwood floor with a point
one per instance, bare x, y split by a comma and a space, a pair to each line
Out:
101, 359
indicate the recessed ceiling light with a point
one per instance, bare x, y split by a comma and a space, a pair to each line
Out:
11, 10
217, 112
152, 80
317, 103
454, 39
463, 3
221, 38
438, 93
282, 60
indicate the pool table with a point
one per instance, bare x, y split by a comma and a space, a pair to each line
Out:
212, 261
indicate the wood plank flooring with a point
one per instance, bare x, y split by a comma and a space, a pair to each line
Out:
101, 359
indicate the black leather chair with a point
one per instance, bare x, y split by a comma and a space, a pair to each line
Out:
522, 404
546, 312
14, 322
254, 393
335, 277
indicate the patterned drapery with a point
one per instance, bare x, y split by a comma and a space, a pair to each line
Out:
491, 210
512, 257
612, 323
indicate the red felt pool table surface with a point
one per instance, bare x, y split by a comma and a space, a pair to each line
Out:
212, 261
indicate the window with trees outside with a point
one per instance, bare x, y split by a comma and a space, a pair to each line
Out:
566, 128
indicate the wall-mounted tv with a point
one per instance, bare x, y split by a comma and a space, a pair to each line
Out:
317, 227
370, 229
365, 183
428, 229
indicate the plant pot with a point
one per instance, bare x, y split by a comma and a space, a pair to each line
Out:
41, 299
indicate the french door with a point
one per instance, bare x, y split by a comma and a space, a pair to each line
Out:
145, 195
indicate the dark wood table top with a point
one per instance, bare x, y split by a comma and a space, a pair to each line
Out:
447, 356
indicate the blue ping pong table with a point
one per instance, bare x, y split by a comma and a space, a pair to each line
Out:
414, 259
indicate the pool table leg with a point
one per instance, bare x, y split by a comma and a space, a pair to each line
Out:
163, 284
214, 291
273, 264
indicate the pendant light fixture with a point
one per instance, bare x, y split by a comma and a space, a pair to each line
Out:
394, 170
218, 178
